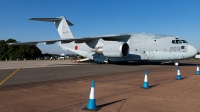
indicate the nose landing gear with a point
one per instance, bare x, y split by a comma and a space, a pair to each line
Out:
177, 63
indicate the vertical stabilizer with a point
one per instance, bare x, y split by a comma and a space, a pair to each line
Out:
62, 26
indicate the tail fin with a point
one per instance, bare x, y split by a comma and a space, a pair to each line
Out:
62, 26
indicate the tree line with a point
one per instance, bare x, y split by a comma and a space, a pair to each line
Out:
18, 51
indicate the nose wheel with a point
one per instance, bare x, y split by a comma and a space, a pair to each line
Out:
177, 63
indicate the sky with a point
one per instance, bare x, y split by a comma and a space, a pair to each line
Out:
99, 17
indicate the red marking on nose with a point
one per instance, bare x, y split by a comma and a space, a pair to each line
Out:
76, 47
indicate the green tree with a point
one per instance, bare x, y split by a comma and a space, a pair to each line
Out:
18, 51
12, 51
2, 49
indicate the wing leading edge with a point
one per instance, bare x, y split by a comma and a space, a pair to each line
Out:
122, 38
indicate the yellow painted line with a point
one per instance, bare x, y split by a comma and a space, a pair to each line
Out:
10, 75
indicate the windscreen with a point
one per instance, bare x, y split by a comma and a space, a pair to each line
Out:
178, 41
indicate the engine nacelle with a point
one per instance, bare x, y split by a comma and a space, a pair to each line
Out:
115, 49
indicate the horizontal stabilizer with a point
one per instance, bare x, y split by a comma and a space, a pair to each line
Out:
51, 20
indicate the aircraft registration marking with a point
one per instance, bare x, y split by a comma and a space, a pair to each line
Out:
174, 48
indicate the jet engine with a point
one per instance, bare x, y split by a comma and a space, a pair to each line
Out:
113, 49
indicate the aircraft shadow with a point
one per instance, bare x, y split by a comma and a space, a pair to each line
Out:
154, 63
133, 64
188, 64
69, 64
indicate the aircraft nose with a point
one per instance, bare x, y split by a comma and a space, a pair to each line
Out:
191, 51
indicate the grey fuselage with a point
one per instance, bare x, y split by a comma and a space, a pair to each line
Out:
144, 47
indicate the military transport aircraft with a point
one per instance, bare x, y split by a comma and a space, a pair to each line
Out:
119, 48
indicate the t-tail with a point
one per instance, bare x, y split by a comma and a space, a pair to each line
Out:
62, 26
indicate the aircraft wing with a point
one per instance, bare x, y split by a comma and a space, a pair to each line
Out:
123, 38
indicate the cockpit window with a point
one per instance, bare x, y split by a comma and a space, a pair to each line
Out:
183, 41
178, 41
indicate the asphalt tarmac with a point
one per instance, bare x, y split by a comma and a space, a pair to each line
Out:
61, 86
36, 71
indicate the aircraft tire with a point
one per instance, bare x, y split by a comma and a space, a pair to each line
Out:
177, 64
